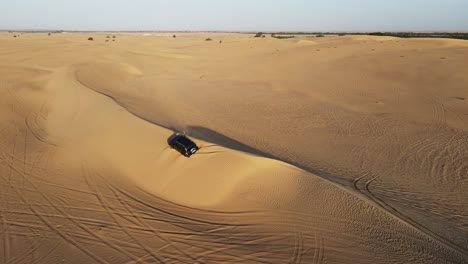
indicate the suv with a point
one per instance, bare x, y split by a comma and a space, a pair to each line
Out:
184, 145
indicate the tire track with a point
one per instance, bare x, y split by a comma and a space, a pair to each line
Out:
172, 214
12, 158
37, 135
410, 222
143, 223
50, 225
436, 114
46, 254
95, 222
87, 179
319, 250
8, 186
32, 249
217, 248
298, 248
6, 240
68, 217
220, 243
88, 230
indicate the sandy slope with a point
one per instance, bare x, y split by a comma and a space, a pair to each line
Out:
332, 150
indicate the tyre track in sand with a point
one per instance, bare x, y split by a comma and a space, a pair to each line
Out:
157, 233
87, 229
298, 248
319, 250
30, 251
56, 230
6, 240
193, 240
407, 220
23, 173
95, 189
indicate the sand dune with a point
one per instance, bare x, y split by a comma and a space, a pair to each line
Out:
327, 150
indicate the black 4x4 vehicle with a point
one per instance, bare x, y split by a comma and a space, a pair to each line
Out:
184, 145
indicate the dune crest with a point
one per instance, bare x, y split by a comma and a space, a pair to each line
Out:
101, 128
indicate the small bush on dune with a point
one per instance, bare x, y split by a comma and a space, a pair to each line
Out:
320, 36
174, 36
273, 35
108, 37
208, 39
285, 37
259, 35
113, 36
90, 38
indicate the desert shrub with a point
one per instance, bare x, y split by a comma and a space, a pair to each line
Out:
108, 37
259, 35
113, 36
174, 36
208, 39
320, 36
453, 35
49, 34
220, 41
90, 38
14, 36
281, 37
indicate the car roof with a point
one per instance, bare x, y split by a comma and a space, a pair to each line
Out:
183, 140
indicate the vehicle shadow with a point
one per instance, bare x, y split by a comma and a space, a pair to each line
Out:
216, 138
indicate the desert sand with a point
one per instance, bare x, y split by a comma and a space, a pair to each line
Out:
346, 149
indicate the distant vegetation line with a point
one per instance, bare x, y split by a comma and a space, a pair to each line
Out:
421, 35
451, 35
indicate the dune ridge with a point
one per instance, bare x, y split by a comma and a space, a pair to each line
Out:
363, 192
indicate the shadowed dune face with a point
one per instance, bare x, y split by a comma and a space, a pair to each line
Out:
340, 150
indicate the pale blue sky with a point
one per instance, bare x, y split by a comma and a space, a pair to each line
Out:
236, 15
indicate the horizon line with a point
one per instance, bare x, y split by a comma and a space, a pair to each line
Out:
241, 31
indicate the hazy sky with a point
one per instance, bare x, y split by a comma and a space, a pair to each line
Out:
232, 15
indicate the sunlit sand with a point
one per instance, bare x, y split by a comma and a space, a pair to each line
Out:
342, 149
